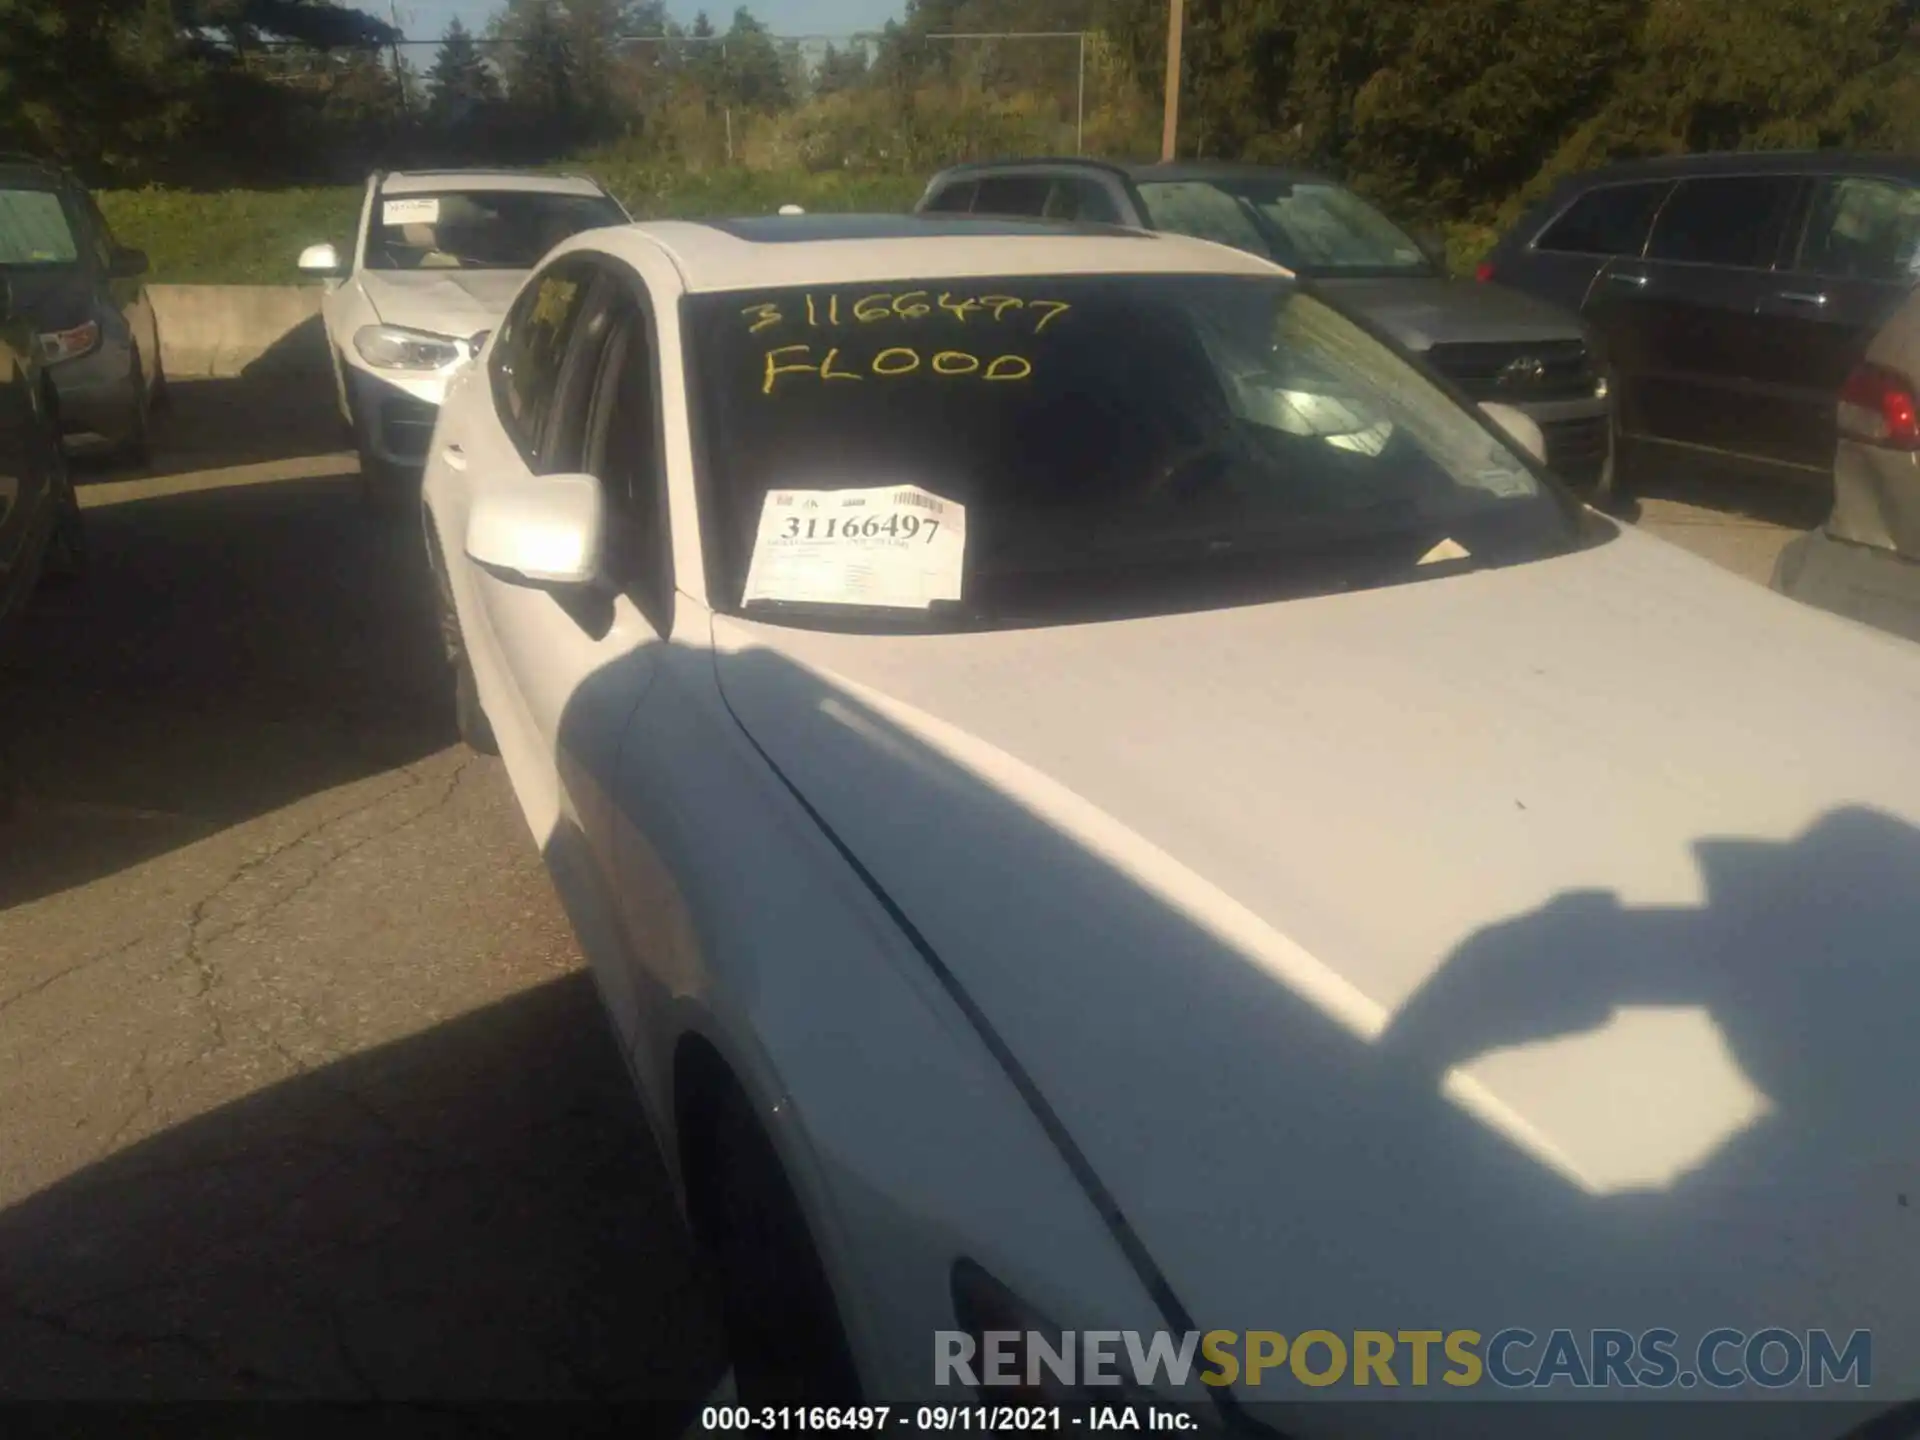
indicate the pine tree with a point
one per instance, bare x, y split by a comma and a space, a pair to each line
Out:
461, 80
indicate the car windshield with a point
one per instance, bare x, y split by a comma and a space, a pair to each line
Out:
1017, 450
479, 229
35, 230
1310, 227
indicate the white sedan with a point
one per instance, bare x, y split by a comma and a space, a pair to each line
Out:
1100, 797
437, 256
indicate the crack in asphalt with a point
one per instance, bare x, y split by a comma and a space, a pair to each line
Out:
27, 992
68, 1328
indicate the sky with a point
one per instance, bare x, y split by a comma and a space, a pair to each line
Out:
428, 19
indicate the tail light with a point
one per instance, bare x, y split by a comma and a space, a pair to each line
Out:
1483, 272
1878, 405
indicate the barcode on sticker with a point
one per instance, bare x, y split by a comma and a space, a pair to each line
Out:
925, 502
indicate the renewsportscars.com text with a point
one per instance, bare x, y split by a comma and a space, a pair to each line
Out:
1723, 1359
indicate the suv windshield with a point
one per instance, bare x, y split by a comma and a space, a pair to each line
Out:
479, 229
1310, 227
35, 229
1090, 445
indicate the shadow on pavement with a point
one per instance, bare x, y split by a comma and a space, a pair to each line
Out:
1797, 502
472, 1214
234, 648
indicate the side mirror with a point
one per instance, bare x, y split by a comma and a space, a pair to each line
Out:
546, 530
477, 342
128, 264
1521, 428
791, 210
322, 262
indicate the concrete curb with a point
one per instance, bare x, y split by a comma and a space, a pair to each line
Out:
222, 331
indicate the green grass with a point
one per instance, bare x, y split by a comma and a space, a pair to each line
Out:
253, 237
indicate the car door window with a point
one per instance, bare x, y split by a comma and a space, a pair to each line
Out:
1612, 220
1733, 221
622, 448
1863, 228
1204, 211
563, 436
1012, 195
953, 200
1081, 199
528, 356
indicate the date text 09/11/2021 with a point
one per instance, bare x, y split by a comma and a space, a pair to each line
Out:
944, 1419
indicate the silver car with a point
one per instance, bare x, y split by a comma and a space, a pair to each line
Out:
1865, 561
1497, 345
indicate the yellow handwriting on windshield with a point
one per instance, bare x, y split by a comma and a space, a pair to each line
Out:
823, 311
895, 360
824, 368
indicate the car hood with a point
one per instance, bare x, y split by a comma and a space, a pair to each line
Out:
1527, 947
1421, 312
459, 303
52, 299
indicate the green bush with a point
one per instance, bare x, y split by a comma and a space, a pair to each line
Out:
232, 237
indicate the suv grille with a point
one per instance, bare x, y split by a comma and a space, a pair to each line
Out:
1506, 370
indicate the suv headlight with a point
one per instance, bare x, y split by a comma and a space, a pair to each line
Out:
388, 347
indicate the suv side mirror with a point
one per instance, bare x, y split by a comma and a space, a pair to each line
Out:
545, 530
322, 262
127, 264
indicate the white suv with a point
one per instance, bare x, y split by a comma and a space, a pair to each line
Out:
438, 257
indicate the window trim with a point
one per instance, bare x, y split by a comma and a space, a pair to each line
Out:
1794, 179
659, 608
1534, 247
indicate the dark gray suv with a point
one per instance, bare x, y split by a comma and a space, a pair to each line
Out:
1733, 292
1496, 345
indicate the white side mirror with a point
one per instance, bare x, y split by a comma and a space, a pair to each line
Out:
322, 262
791, 210
1521, 428
547, 530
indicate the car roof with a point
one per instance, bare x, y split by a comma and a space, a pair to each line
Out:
436, 182
1136, 171
1752, 162
16, 167
768, 252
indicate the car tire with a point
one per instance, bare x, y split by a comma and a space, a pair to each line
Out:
785, 1342
470, 720
1618, 492
66, 560
136, 448
386, 491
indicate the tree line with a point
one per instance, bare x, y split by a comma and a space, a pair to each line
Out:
1447, 109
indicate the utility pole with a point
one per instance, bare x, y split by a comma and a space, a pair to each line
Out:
399, 75
1170, 128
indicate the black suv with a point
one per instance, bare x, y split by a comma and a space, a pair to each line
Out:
1496, 345
1733, 293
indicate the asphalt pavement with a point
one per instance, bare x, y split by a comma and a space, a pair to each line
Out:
307, 1094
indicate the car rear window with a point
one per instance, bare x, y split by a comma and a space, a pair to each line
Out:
35, 229
1612, 220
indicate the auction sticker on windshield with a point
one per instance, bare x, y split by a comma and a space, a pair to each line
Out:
411, 212
894, 545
